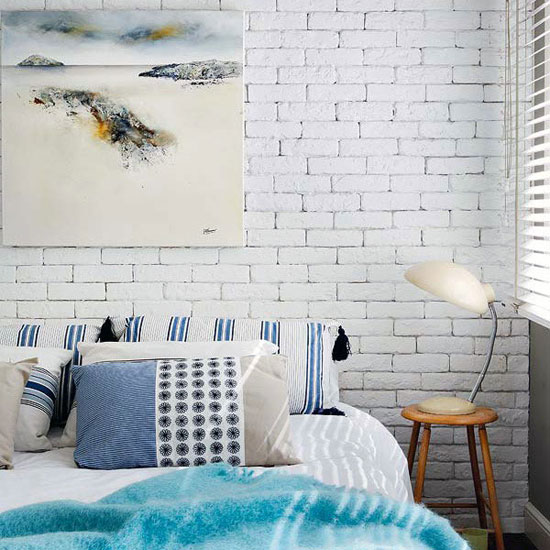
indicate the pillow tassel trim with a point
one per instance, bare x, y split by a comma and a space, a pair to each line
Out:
342, 349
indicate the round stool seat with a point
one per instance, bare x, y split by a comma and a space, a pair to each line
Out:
482, 415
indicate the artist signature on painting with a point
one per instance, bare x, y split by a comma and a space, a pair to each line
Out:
208, 231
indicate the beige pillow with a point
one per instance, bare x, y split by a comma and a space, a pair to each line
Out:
267, 417
127, 351
13, 377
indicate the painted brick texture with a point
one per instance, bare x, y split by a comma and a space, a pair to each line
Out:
373, 139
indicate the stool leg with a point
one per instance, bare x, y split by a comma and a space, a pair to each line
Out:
476, 477
421, 473
412, 446
493, 502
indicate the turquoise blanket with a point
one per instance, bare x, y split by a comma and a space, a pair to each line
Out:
223, 508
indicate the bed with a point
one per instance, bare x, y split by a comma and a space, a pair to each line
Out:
343, 482
352, 451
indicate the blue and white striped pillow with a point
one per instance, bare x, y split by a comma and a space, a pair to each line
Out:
37, 402
307, 345
41, 390
65, 336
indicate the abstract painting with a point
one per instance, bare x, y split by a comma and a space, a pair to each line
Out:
122, 128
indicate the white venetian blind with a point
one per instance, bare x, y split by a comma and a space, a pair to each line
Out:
527, 119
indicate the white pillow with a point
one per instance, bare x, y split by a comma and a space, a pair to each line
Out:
127, 351
37, 403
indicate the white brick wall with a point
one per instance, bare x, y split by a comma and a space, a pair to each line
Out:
373, 134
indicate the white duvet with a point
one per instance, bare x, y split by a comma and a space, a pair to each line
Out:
352, 451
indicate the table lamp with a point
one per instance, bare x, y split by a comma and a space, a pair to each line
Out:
456, 285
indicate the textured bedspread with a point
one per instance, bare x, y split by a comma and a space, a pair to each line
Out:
220, 508
354, 451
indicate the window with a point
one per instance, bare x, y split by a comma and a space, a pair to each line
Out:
527, 129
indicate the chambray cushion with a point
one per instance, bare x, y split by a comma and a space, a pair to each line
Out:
64, 336
183, 412
311, 374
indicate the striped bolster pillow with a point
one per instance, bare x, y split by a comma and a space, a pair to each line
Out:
311, 376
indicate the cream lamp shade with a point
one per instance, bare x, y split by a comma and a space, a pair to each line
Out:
452, 283
456, 285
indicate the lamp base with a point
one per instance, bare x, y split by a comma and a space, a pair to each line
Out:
447, 405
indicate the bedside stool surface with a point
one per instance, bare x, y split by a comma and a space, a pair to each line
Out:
482, 415
479, 418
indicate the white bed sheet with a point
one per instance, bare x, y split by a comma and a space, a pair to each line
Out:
352, 451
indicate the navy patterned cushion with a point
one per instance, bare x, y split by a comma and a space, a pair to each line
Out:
183, 412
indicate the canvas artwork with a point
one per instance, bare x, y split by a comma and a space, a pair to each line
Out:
122, 128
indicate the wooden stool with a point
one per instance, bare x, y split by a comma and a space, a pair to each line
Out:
480, 418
